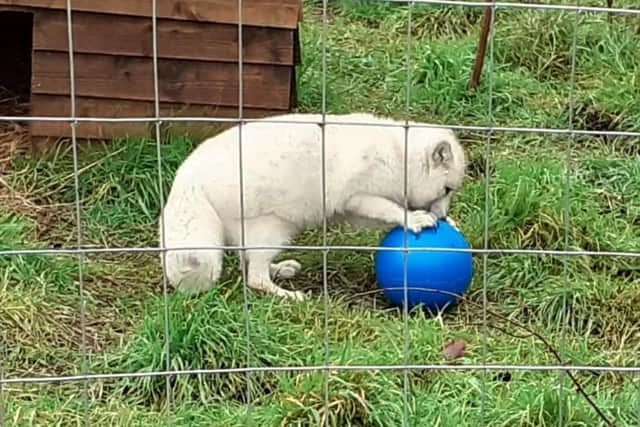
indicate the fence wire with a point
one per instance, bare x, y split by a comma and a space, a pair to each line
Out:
81, 250
325, 252
163, 242
566, 202
78, 212
487, 201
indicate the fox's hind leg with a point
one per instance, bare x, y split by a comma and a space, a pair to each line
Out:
261, 270
285, 269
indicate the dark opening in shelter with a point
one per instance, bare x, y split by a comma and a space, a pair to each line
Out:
16, 29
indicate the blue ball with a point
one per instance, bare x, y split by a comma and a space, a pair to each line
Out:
450, 272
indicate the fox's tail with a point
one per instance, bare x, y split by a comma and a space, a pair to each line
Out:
191, 222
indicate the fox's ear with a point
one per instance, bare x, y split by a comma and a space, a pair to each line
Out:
442, 154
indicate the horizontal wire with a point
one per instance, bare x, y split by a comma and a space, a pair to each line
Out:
495, 251
534, 6
321, 368
469, 128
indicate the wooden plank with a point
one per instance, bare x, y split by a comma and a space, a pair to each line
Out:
5, 8
180, 81
60, 106
267, 13
180, 40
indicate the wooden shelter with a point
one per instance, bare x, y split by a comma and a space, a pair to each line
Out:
113, 57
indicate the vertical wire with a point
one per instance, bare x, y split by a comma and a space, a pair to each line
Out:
76, 182
165, 291
245, 293
325, 252
487, 201
567, 212
405, 307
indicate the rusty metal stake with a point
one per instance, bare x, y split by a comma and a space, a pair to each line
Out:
482, 49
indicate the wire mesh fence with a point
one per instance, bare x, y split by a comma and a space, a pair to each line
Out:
251, 367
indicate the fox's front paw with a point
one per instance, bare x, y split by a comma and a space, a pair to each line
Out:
418, 220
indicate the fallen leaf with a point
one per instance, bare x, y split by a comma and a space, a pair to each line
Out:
454, 349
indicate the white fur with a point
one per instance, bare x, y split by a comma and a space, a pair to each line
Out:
282, 189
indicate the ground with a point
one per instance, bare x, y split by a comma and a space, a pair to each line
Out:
583, 307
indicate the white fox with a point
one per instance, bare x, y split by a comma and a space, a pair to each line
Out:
282, 190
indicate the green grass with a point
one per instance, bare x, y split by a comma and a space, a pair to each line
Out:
585, 307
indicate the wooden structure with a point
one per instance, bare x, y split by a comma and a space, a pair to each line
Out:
113, 48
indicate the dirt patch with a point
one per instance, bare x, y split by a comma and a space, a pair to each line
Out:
13, 136
592, 118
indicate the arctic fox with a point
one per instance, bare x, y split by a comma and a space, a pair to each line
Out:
282, 190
